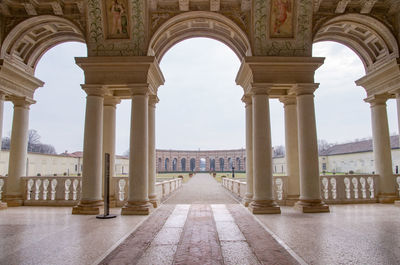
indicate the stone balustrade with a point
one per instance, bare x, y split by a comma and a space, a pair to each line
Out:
66, 191
163, 188
335, 189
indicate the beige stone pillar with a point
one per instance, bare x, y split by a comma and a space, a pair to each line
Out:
310, 193
91, 198
153, 100
263, 199
109, 120
18, 152
291, 149
2, 97
398, 113
382, 150
249, 151
138, 200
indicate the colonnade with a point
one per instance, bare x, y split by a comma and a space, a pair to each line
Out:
262, 78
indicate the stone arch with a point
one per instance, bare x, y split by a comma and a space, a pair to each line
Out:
238, 164
166, 164
192, 164
30, 39
370, 39
221, 164
175, 164
183, 164
199, 24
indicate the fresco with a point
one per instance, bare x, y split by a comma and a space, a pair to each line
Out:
281, 24
117, 19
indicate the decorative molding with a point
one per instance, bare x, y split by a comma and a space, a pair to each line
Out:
57, 9
367, 5
30, 9
215, 5
341, 6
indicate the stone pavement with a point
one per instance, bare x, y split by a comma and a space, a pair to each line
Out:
201, 188
200, 232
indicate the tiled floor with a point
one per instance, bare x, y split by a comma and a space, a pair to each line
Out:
191, 229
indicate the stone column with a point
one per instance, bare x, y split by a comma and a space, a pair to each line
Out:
249, 151
263, 199
18, 152
91, 198
109, 120
2, 97
382, 150
153, 100
310, 192
138, 200
291, 149
398, 112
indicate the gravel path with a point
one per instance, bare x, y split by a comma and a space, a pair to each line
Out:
201, 188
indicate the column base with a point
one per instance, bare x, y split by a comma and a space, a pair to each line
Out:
3, 205
397, 203
154, 201
264, 207
291, 200
14, 200
387, 198
88, 207
137, 208
247, 200
312, 206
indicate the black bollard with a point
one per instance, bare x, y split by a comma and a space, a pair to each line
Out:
106, 214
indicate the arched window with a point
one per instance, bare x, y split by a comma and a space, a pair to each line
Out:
230, 163
221, 164
183, 164
166, 164
212, 164
238, 163
174, 164
192, 164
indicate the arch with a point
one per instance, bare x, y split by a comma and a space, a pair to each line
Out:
30, 39
221, 164
238, 165
192, 164
199, 24
230, 163
370, 39
159, 166
212, 164
166, 164
174, 164
183, 164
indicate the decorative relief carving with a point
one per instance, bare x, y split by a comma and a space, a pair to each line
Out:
281, 19
117, 14
300, 45
133, 46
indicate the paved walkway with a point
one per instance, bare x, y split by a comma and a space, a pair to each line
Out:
200, 224
201, 188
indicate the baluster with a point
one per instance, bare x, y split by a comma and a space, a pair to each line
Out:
398, 184
1, 187
29, 189
45, 186
325, 183
38, 182
371, 189
355, 187
67, 184
163, 189
75, 189
279, 188
363, 188
121, 192
53, 189
238, 191
333, 190
347, 187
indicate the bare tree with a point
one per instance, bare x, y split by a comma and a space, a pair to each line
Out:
34, 144
279, 150
323, 145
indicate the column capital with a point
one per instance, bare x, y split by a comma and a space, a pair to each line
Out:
247, 99
139, 89
94, 90
22, 102
304, 89
288, 100
111, 101
153, 100
2, 95
261, 88
375, 100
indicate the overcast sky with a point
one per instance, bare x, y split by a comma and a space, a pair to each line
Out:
200, 105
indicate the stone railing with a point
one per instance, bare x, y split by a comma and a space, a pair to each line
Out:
66, 191
51, 191
335, 189
239, 187
163, 189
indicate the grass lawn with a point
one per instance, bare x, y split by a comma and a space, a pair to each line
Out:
173, 175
